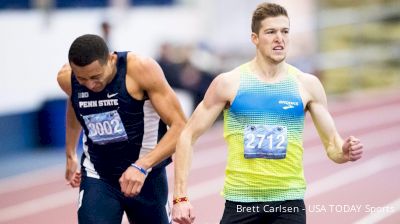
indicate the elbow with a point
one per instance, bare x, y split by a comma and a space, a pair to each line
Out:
177, 126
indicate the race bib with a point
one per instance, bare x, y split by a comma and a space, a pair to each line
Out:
265, 141
105, 127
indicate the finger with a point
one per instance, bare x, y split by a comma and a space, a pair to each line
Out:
352, 138
354, 142
179, 216
129, 189
357, 148
77, 180
137, 188
192, 215
356, 153
123, 184
179, 220
355, 158
182, 220
186, 217
346, 144
74, 184
68, 175
348, 139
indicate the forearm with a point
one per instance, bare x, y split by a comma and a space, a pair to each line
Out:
182, 163
71, 140
73, 131
164, 149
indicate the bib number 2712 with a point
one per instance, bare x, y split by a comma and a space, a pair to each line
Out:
265, 141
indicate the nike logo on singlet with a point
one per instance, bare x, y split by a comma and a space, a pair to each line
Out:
111, 95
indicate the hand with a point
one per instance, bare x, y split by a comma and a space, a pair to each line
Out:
72, 174
182, 213
131, 181
352, 149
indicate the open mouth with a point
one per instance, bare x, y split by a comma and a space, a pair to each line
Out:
278, 48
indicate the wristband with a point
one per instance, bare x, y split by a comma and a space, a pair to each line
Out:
178, 200
140, 169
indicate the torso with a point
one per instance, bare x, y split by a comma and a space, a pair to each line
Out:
263, 127
232, 80
118, 123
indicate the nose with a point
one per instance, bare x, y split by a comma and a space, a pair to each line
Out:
279, 37
90, 84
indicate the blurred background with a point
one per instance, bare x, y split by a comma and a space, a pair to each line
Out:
352, 46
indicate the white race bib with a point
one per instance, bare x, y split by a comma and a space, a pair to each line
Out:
265, 141
105, 127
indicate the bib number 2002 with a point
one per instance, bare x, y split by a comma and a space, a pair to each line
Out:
105, 127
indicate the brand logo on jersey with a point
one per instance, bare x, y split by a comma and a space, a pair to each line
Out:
288, 104
111, 95
83, 95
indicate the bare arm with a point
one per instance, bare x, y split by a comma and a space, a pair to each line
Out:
73, 130
150, 79
200, 121
218, 95
338, 150
167, 106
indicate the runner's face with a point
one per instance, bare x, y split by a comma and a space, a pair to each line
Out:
93, 76
273, 38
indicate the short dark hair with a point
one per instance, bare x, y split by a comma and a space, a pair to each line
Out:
87, 49
265, 10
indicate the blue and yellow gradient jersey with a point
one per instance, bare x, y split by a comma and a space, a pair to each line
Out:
264, 131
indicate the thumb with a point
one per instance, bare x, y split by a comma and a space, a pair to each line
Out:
346, 143
68, 174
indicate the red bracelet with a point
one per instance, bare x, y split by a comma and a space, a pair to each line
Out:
177, 200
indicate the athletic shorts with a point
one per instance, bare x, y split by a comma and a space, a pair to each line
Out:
100, 202
277, 212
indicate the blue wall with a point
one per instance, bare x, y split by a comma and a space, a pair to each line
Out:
27, 4
32, 129
18, 131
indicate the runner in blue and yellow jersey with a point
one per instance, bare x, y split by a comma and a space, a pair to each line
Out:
264, 102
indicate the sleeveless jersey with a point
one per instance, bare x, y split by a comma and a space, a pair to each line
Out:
118, 129
264, 129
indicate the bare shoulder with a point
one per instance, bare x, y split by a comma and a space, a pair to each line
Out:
225, 85
229, 78
311, 88
64, 78
144, 70
307, 79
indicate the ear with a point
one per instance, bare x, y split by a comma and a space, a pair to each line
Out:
112, 57
254, 38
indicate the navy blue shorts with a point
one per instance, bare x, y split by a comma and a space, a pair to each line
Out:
100, 202
277, 212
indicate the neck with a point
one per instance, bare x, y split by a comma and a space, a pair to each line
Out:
113, 71
267, 70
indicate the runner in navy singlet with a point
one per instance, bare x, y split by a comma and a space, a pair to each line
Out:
123, 104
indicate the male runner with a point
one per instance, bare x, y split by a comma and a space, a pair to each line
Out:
264, 102
124, 105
